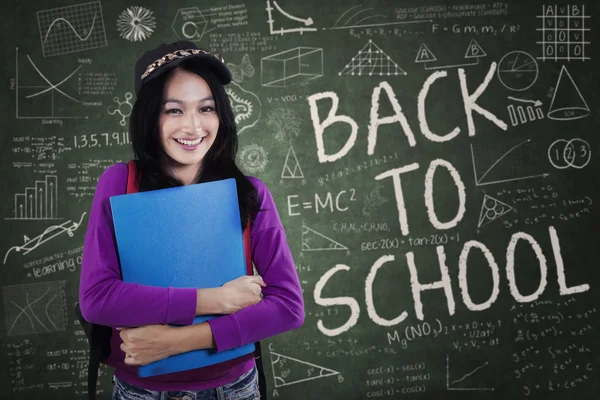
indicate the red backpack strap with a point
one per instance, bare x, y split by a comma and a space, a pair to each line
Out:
132, 182
248, 248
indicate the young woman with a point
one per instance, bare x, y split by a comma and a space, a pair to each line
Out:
183, 132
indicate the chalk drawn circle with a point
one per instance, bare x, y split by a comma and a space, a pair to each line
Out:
253, 158
517, 71
187, 35
575, 153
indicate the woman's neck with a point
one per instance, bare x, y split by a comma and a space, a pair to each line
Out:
186, 174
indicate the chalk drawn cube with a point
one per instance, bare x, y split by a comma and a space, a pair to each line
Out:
292, 67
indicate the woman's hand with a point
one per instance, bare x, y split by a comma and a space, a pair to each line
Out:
147, 344
241, 292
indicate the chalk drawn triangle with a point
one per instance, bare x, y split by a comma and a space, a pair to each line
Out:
315, 241
567, 102
371, 60
491, 210
288, 370
424, 55
474, 50
291, 167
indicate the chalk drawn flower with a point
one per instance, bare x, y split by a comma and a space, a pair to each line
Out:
136, 24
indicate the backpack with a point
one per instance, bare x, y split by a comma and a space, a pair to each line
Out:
99, 335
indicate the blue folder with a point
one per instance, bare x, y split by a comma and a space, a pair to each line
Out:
186, 236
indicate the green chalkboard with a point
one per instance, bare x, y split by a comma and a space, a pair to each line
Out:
434, 165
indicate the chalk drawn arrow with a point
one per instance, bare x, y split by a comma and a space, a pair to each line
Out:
536, 103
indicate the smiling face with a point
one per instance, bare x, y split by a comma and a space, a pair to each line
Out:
188, 123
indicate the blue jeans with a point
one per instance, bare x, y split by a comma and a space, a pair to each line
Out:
243, 388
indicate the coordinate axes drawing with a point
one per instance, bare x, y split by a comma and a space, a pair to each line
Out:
307, 22
479, 180
41, 97
38, 202
452, 384
72, 28
35, 308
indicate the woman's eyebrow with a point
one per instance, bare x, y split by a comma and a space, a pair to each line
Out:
171, 100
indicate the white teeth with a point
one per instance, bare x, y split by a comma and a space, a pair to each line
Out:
190, 142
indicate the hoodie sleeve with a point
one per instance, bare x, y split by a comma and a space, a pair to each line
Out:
104, 298
282, 306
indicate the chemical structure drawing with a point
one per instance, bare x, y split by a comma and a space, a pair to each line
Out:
124, 108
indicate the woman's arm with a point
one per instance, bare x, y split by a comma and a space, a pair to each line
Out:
282, 306
104, 298
280, 310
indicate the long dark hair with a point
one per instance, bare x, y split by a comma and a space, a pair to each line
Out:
218, 163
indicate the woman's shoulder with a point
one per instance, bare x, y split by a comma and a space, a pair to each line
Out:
258, 184
261, 189
113, 180
268, 217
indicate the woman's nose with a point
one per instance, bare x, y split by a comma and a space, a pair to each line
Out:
193, 123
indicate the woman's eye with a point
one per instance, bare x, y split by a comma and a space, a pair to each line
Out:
206, 109
173, 111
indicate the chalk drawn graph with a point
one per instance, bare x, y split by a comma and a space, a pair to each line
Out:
35, 308
289, 371
50, 233
307, 22
524, 110
39, 99
38, 202
72, 28
453, 384
479, 180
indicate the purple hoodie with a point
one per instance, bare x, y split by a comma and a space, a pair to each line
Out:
105, 299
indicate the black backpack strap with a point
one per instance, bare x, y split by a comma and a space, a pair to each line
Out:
262, 382
93, 366
99, 340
